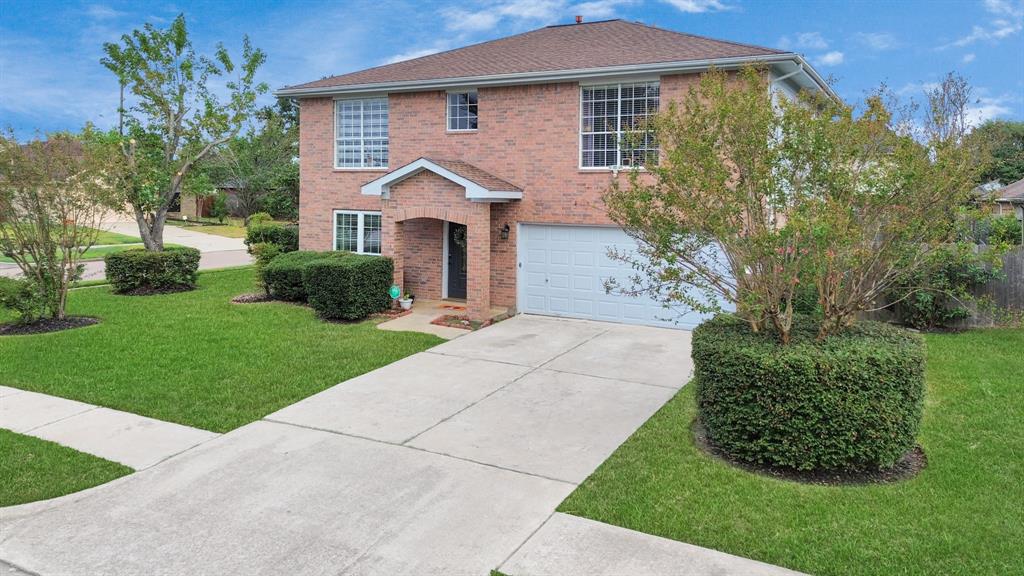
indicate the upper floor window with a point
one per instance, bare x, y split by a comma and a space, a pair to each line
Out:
462, 111
361, 133
612, 130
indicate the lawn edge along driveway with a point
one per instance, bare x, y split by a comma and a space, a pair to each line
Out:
961, 515
194, 358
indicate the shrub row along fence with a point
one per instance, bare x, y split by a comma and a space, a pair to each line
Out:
999, 302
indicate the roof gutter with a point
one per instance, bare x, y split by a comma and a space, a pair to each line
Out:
557, 76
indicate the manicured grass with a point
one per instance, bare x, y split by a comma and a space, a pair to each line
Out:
99, 252
195, 358
32, 469
106, 237
961, 515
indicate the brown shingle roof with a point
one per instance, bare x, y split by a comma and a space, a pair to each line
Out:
1013, 192
478, 175
567, 47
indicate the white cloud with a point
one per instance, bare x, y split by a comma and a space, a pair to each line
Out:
968, 58
698, 6
988, 108
521, 13
103, 12
877, 40
833, 58
1007, 19
413, 54
804, 41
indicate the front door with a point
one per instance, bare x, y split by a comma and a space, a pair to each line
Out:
456, 260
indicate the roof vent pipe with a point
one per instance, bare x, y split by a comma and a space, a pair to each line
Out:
579, 19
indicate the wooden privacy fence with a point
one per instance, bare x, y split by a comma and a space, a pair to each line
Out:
1004, 296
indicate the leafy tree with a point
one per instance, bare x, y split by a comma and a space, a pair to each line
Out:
259, 164
176, 121
54, 194
755, 195
1006, 140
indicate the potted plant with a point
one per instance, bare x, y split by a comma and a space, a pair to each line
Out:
406, 302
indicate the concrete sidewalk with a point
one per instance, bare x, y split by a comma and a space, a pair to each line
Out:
132, 440
448, 462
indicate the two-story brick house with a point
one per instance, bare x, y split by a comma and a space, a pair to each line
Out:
480, 170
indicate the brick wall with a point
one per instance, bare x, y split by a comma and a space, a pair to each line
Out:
528, 135
423, 257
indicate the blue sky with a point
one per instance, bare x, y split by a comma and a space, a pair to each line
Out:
51, 79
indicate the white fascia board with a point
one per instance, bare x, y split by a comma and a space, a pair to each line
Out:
555, 76
382, 186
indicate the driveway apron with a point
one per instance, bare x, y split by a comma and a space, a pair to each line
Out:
445, 462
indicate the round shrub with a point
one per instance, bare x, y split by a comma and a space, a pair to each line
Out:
260, 218
139, 271
348, 288
850, 403
286, 237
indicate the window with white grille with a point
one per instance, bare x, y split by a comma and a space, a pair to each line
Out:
613, 117
357, 231
361, 133
462, 111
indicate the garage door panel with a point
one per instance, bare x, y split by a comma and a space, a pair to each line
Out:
565, 271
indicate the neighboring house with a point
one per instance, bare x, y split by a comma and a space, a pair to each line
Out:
480, 170
1007, 199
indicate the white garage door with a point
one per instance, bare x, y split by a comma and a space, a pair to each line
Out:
562, 271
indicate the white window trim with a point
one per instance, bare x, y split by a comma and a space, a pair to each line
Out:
360, 229
334, 144
447, 112
579, 140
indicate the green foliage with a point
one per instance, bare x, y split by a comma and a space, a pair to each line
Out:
176, 121
264, 253
850, 402
1006, 230
1006, 141
939, 294
22, 297
348, 288
756, 196
283, 275
141, 271
283, 203
219, 209
259, 218
286, 237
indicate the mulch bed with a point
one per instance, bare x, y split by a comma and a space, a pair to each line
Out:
463, 322
251, 298
391, 314
908, 466
48, 325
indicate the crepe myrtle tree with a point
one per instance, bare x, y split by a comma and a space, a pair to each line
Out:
175, 120
54, 195
756, 197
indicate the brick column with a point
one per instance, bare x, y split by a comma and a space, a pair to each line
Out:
393, 241
478, 257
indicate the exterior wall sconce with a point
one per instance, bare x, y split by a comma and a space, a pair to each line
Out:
504, 231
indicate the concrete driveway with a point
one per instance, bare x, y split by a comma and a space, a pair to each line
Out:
442, 463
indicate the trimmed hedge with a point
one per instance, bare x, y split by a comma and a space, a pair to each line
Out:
283, 274
850, 403
348, 288
141, 271
286, 237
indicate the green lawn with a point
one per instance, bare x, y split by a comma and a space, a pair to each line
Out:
964, 514
32, 469
195, 358
107, 237
109, 242
99, 252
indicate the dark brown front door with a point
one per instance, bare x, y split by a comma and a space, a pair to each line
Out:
456, 260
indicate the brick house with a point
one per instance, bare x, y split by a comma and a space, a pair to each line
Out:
480, 170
